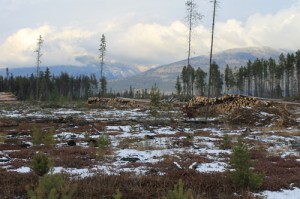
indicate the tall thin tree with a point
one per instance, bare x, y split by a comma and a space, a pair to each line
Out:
193, 18
102, 50
38, 63
210, 55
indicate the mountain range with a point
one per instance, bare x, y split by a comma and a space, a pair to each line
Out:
165, 76
123, 76
89, 66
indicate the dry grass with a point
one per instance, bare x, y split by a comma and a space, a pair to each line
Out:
280, 173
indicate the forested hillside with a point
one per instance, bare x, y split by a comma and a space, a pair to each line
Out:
261, 77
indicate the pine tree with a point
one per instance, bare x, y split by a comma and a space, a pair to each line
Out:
200, 81
216, 80
154, 101
229, 78
192, 17
38, 63
102, 50
178, 86
241, 163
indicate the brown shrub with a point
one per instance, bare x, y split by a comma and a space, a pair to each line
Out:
279, 172
13, 184
73, 157
213, 185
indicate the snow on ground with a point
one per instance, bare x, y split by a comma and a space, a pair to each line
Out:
160, 145
283, 194
211, 167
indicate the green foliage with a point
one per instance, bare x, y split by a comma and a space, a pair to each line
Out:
200, 82
103, 141
190, 136
103, 85
216, 80
154, 96
117, 195
242, 175
52, 186
179, 192
41, 164
188, 79
39, 137
226, 142
103, 144
155, 101
178, 87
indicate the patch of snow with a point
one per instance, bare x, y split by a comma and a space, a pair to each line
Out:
177, 165
266, 114
22, 170
165, 130
283, 194
211, 167
67, 112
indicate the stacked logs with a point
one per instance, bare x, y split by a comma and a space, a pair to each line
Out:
121, 102
226, 103
118, 102
97, 100
7, 96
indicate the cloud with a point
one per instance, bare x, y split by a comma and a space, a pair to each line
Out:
137, 42
152, 42
60, 46
279, 30
18, 47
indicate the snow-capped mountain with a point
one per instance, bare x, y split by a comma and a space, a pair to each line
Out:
88, 66
165, 76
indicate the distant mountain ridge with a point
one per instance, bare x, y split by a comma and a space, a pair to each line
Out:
122, 76
165, 76
111, 70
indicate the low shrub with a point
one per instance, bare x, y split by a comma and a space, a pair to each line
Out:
53, 186
39, 137
41, 164
240, 162
179, 193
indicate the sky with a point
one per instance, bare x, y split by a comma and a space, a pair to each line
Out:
144, 33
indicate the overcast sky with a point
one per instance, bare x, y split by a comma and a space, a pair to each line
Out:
141, 32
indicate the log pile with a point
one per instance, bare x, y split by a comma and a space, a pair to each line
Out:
128, 102
7, 97
118, 102
226, 103
96, 100
124, 102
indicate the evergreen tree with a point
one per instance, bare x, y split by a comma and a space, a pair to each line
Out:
297, 63
38, 63
289, 71
216, 80
103, 85
241, 163
178, 86
102, 50
200, 79
154, 101
229, 78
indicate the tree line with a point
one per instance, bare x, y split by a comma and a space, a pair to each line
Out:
50, 87
261, 78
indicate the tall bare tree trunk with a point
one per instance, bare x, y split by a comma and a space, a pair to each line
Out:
210, 57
